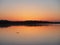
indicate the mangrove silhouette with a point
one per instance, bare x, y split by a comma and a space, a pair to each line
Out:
6, 23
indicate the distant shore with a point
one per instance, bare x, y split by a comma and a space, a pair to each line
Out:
25, 23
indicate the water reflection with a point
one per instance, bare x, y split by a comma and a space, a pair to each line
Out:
6, 26
27, 35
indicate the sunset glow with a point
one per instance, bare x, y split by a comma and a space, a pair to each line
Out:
29, 10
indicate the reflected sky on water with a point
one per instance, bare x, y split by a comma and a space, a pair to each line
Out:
30, 35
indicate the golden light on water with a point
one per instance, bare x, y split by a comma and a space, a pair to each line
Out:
22, 10
29, 35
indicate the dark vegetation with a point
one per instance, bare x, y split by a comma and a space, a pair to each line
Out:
6, 23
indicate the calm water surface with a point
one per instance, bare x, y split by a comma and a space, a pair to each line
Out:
30, 35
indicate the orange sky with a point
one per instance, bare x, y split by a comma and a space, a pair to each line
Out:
30, 10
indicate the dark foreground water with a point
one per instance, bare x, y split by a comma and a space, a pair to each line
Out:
30, 35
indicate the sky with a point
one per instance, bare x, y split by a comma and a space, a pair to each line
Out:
17, 10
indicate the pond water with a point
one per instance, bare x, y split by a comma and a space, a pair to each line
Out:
30, 35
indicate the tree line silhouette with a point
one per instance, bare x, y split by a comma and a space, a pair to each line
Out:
26, 23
